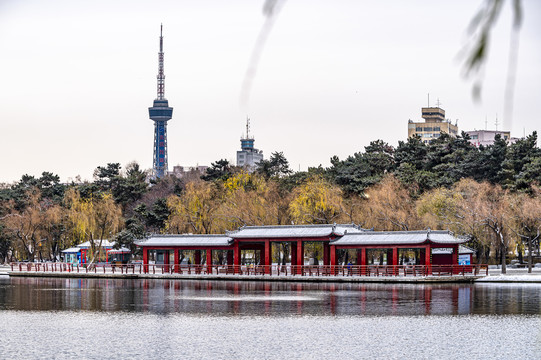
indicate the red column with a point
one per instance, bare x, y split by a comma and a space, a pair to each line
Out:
363, 261
428, 263
197, 257
455, 259
268, 261
326, 248
293, 254
395, 261
209, 261
176, 261
166, 260
236, 256
145, 260
333, 259
166, 257
300, 256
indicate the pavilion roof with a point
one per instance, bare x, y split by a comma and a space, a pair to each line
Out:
186, 240
72, 250
104, 244
399, 238
465, 250
293, 231
122, 250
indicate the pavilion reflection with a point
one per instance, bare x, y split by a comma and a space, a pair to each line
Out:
237, 298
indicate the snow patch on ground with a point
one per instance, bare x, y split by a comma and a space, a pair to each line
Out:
511, 278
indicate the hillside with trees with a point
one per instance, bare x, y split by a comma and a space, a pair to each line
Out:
490, 194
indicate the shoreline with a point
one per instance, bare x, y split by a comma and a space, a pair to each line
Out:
495, 276
297, 278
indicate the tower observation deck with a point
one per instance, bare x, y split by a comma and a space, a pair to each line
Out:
160, 113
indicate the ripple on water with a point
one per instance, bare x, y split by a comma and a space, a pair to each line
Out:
124, 335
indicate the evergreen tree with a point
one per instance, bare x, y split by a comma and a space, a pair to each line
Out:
131, 188
107, 177
276, 167
489, 160
518, 156
219, 170
412, 151
358, 172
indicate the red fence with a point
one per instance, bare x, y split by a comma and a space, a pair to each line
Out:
270, 270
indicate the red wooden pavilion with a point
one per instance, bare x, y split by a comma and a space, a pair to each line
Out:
339, 244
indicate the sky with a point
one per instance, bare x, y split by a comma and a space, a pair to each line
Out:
77, 78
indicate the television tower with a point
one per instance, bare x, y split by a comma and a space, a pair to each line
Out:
160, 113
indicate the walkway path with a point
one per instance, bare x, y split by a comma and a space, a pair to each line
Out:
513, 275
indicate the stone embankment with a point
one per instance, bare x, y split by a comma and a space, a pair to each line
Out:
512, 276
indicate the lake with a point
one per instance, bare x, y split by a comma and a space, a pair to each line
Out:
120, 318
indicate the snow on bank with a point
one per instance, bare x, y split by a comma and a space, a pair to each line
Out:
511, 278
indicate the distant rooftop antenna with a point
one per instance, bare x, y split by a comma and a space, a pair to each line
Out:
247, 127
428, 99
486, 123
438, 103
496, 123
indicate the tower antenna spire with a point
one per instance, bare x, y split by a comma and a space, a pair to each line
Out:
160, 113
161, 75
247, 127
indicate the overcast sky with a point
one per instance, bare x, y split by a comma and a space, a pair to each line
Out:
77, 78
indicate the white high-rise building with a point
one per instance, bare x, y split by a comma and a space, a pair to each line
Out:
248, 156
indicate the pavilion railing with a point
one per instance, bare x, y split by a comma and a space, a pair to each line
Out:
260, 270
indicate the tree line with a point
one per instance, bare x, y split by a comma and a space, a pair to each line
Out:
488, 193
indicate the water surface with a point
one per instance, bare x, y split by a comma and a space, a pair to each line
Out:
115, 318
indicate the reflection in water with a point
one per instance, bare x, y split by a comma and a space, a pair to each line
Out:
232, 298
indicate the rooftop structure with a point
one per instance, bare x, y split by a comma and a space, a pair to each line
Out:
248, 155
398, 237
160, 113
296, 231
434, 124
486, 137
187, 240
184, 171
81, 253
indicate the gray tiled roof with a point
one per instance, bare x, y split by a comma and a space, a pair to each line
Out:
72, 250
398, 237
104, 243
287, 231
122, 250
465, 250
186, 240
